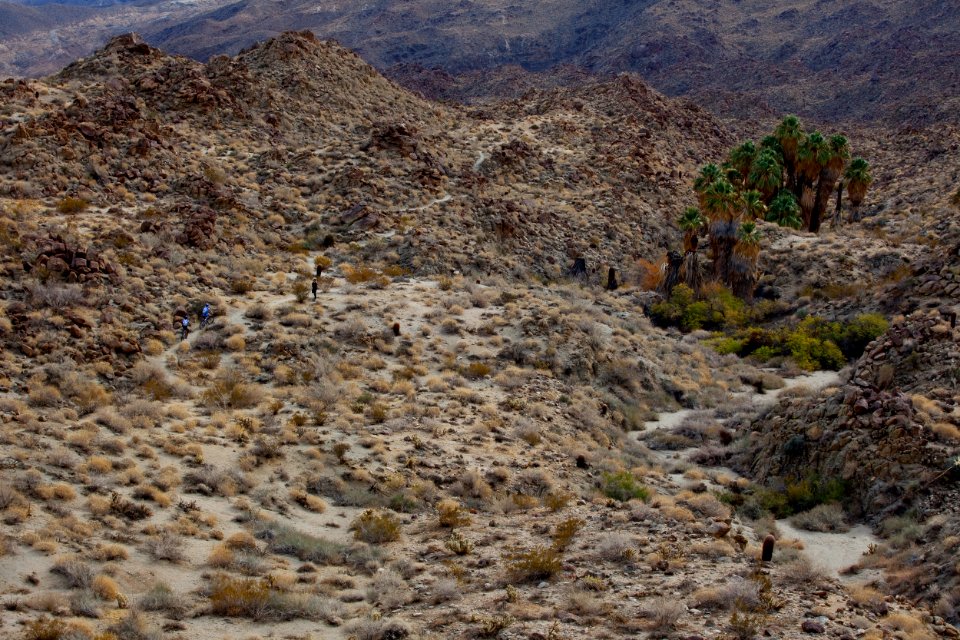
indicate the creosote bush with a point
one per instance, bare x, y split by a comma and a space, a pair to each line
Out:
623, 486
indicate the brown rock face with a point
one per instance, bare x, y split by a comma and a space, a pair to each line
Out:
69, 262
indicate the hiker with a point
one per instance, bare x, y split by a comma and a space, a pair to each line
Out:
313, 288
205, 315
184, 327
319, 270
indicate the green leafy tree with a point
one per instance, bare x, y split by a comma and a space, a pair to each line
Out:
789, 133
709, 174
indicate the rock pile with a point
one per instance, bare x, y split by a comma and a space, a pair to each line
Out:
70, 263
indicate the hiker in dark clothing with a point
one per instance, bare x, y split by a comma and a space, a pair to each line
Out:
313, 287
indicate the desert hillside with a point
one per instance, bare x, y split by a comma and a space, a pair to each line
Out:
882, 60
455, 434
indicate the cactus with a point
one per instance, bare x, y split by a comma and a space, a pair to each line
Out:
766, 554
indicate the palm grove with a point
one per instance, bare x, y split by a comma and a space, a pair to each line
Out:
787, 179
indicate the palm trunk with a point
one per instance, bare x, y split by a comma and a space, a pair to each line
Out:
723, 237
690, 273
838, 212
828, 179
807, 200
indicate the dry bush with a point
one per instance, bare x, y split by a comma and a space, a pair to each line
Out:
105, 587
451, 513
160, 597
565, 531
388, 589
616, 547
134, 626
75, 572
824, 517
538, 563
229, 391
725, 597
664, 613
378, 629
166, 546
376, 527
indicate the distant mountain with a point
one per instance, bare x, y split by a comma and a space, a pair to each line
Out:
846, 59
17, 19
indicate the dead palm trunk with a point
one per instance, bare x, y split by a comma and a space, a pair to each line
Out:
690, 273
672, 276
723, 237
825, 185
743, 270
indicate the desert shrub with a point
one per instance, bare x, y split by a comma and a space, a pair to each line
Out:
714, 308
301, 290
813, 344
360, 274
160, 597
241, 285
166, 546
239, 597
565, 531
451, 513
77, 573
825, 517
796, 496
289, 541
538, 563
70, 204
664, 612
378, 629
53, 629
229, 390
376, 527
623, 486
476, 370
256, 599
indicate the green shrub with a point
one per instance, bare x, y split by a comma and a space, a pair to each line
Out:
798, 496
623, 486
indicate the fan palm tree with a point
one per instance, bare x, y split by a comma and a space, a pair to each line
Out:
832, 165
722, 208
753, 205
690, 223
858, 180
743, 261
789, 133
785, 210
767, 174
709, 173
741, 158
812, 154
